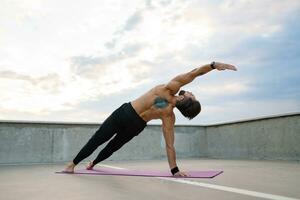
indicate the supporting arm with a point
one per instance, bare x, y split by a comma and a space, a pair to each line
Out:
168, 131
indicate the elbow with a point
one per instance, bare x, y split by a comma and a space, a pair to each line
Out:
170, 147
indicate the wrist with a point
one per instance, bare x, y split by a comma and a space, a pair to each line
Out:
174, 170
213, 65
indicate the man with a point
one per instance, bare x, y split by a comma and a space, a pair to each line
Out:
131, 118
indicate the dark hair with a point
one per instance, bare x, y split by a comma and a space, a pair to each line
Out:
189, 108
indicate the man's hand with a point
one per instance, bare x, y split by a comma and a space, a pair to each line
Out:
223, 66
181, 174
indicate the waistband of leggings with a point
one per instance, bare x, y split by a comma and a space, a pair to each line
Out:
141, 120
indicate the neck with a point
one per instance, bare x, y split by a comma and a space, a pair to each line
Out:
177, 102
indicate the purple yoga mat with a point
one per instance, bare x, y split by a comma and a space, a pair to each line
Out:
145, 173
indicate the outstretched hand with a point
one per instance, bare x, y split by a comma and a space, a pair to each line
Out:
223, 66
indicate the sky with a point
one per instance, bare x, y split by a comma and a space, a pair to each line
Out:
77, 61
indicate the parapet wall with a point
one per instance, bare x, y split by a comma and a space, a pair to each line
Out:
272, 138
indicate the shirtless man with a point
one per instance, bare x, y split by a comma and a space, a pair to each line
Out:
131, 118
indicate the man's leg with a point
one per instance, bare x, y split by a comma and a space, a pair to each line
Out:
103, 134
115, 144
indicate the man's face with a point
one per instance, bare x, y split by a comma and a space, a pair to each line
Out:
187, 94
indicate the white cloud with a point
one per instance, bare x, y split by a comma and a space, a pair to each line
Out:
38, 95
41, 38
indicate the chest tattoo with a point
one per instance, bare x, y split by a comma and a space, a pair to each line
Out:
160, 102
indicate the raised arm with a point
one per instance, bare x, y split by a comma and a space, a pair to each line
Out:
168, 131
176, 83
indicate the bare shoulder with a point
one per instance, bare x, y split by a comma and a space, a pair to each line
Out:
163, 91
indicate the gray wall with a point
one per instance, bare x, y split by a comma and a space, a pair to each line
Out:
43, 142
22, 142
270, 138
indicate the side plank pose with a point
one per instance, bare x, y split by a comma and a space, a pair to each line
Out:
131, 118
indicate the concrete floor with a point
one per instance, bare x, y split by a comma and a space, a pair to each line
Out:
257, 179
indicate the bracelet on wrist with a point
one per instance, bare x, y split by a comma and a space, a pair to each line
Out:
174, 170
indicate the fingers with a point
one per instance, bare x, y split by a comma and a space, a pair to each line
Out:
181, 174
184, 175
231, 67
223, 66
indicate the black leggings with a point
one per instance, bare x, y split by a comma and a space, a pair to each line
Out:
124, 123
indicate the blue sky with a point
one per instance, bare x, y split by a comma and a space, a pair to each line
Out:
79, 60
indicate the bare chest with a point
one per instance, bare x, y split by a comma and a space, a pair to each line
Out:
157, 96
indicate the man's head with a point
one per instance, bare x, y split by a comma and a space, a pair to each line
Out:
188, 105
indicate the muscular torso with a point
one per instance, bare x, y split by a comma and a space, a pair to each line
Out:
145, 107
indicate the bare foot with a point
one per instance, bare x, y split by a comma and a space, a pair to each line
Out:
90, 166
69, 168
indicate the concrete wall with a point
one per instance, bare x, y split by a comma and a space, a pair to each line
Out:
28, 142
43, 142
268, 138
